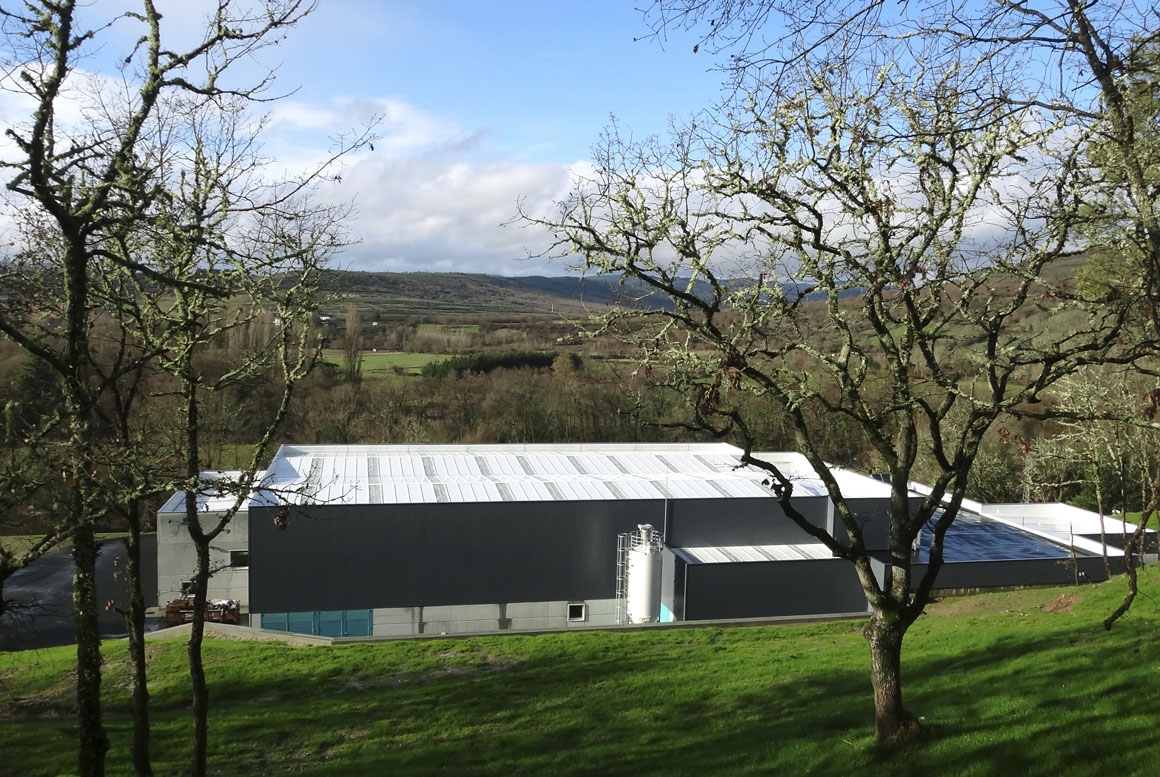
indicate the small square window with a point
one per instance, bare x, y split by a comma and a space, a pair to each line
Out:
187, 588
578, 612
239, 558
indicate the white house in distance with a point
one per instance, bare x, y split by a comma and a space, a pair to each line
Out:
400, 540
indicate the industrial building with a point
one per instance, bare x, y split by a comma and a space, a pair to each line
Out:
401, 540
229, 553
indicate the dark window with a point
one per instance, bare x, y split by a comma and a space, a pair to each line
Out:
187, 588
577, 612
239, 558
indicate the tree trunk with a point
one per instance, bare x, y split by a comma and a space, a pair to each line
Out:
201, 542
891, 719
139, 748
1129, 595
196, 665
93, 742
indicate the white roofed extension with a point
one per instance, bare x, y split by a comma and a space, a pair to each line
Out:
1062, 523
410, 474
209, 499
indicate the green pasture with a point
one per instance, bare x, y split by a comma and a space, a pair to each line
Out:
1026, 682
458, 329
230, 456
383, 364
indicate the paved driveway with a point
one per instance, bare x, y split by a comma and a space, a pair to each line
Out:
40, 596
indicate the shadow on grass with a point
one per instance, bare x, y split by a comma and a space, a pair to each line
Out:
542, 718
618, 707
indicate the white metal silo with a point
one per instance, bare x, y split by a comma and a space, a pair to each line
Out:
643, 589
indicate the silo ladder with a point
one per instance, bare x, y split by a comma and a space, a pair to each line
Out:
623, 543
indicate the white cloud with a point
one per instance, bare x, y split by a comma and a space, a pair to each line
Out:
431, 196
437, 211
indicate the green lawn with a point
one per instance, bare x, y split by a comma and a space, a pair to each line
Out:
1024, 683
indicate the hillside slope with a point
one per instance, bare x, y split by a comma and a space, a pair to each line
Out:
1022, 682
403, 295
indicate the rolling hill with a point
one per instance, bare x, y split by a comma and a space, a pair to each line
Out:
404, 295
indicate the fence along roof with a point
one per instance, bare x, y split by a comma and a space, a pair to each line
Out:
413, 474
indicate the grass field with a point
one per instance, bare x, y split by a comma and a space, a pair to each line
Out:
470, 329
231, 456
1024, 683
385, 364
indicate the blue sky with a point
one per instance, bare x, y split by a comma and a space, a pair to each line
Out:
483, 103
538, 78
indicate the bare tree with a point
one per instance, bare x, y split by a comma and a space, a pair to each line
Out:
1106, 431
855, 242
353, 345
1072, 85
192, 321
249, 252
93, 184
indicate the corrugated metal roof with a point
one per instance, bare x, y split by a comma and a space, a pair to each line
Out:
408, 474
735, 554
1062, 523
1057, 518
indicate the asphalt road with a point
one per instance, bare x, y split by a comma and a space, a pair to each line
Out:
39, 610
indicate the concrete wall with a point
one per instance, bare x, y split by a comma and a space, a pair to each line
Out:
177, 560
771, 588
483, 618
